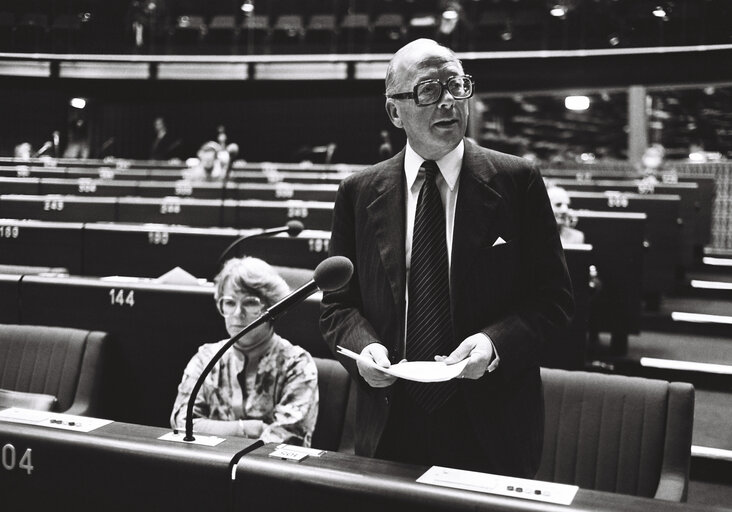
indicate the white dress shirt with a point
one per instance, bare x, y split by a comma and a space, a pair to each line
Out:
448, 183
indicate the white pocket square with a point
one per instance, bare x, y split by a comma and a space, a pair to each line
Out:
499, 241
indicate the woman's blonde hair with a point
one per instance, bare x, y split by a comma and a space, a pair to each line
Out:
252, 275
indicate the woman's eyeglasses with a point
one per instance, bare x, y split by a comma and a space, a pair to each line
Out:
248, 304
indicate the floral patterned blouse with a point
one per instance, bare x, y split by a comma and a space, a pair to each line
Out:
285, 394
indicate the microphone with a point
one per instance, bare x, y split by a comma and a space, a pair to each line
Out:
292, 228
331, 274
46, 146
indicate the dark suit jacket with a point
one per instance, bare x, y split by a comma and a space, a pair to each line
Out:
518, 293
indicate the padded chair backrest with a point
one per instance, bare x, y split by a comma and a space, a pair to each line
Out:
333, 388
60, 362
615, 433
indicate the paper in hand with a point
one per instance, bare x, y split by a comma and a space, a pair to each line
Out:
418, 371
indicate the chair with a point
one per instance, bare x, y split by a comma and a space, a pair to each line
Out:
355, 32
321, 32
619, 434
65, 31
30, 32
333, 388
222, 30
58, 368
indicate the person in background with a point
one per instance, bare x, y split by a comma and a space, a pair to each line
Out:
263, 387
23, 151
566, 221
456, 257
386, 150
163, 146
210, 165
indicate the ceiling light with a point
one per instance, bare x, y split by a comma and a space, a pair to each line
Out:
78, 103
247, 7
558, 11
450, 14
577, 103
659, 12
613, 40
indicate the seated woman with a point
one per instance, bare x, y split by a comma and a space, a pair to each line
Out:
210, 165
263, 387
565, 220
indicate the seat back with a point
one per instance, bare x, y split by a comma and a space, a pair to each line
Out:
618, 434
58, 362
333, 388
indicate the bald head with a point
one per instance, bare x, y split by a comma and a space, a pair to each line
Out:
435, 128
419, 50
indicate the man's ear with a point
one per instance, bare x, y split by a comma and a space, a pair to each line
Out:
393, 112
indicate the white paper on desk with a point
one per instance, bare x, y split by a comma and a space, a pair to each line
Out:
418, 371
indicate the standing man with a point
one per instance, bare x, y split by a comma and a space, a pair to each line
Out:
456, 255
163, 145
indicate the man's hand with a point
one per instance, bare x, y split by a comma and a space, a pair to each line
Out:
480, 350
377, 353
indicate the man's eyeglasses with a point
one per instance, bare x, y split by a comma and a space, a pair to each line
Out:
249, 304
429, 92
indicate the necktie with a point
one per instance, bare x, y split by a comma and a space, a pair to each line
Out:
429, 322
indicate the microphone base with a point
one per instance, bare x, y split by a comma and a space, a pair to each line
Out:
180, 437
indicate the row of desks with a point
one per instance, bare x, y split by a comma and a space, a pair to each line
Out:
668, 247
264, 175
156, 328
121, 467
167, 210
149, 250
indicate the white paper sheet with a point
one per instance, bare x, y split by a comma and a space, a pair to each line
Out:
535, 490
418, 371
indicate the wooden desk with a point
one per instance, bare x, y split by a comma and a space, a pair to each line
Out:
122, 467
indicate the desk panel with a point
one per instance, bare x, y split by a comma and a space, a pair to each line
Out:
150, 250
119, 467
270, 214
9, 294
58, 208
39, 243
170, 210
182, 188
663, 231
88, 187
20, 185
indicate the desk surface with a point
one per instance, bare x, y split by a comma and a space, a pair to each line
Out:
124, 467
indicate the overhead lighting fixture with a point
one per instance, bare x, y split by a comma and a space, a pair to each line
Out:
659, 12
613, 40
247, 7
450, 14
558, 11
577, 103
79, 103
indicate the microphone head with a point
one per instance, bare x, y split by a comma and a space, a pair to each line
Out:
294, 227
333, 273
233, 150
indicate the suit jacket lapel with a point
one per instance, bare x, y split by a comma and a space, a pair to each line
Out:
475, 212
386, 220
